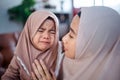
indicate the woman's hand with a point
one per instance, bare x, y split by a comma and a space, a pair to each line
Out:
40, 71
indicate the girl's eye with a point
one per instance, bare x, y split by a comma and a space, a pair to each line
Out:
40, 30
52, 31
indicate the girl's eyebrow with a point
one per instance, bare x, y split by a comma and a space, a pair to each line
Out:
72, 31
45, 29
42, 28
53, 28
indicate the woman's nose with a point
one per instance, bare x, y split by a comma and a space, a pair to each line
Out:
64, 39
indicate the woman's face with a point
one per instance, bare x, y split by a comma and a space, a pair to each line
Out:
69, 40
45, 36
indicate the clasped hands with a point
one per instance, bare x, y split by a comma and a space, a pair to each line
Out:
40, 71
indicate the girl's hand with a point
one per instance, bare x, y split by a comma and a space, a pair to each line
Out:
40, 71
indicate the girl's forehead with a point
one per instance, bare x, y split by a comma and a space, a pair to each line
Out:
48, 23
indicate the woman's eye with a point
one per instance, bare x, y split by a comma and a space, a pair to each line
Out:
70, 36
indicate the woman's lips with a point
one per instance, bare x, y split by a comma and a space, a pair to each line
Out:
64, 49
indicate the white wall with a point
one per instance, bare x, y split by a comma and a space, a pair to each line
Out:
115, 4
5, 24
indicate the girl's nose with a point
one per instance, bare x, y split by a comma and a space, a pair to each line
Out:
46, 35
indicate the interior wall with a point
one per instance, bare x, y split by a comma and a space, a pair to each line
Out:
5, 24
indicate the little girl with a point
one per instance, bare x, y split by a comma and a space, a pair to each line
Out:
38, 41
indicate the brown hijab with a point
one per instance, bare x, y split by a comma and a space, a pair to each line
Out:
26, 53
97, 54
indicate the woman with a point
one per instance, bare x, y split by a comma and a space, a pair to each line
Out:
38, 42
92, 46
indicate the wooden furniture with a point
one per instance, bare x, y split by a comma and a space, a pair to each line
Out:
8, 43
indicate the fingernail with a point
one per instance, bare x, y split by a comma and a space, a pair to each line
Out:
33, 64
41, 60
36, 60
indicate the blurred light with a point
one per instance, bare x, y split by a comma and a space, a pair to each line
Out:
82, 3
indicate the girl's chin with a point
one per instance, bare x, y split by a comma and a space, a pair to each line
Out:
44, 48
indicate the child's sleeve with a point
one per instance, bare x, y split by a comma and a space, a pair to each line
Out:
12, 72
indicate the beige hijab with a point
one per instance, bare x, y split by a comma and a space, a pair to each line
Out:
98, 47
26, 53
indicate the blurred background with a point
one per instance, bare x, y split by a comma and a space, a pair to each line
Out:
13, 13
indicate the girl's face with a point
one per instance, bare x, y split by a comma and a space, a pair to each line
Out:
69, 40
45, 36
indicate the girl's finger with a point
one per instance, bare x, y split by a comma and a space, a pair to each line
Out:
33, 76
36, 71
45, 70
40, 70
